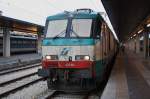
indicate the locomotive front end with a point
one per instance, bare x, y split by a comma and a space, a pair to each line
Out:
68, 51
71, 56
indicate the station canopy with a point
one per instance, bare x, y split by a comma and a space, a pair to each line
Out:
36, 11
128, 16
19, 26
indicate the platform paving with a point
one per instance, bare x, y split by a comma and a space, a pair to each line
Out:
129, 79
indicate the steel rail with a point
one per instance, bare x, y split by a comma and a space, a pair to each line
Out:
16, 79
19, 87
19, 69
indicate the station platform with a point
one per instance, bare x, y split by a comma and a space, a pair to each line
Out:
129, 79
18, 60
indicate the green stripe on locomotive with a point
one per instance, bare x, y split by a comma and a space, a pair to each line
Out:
62, 16
68, 42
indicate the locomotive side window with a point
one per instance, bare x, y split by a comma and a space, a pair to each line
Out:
56, 27
98, 29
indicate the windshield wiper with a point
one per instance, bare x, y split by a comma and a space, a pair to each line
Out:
61, 33
74, 32
64, 31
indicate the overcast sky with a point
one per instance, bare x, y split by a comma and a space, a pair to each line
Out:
36, 11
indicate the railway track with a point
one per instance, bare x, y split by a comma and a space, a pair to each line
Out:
19, 69
16, 75
18, 85
14, 80
17, 80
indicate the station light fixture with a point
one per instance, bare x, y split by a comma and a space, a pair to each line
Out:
140, 31
148, 25
134, 35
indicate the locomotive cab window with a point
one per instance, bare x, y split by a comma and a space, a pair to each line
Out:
78, 28
56, 27
81, 27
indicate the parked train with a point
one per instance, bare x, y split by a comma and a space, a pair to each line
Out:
20, 44
76, 50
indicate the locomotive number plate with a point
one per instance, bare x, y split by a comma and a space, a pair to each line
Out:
69, 64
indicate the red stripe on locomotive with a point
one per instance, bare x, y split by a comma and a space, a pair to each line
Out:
66, 64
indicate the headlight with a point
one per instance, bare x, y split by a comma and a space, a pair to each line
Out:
48, 57
51, 57
82, 57
86, 57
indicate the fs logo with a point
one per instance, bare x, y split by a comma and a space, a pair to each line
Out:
65, 51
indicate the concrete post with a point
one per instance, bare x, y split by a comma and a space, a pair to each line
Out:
148, 46
39, 41
146, 43
135, 48
137, 44
6, 42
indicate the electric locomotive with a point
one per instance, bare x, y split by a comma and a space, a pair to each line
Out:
75, 50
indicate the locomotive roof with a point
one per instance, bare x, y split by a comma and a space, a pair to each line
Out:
78, 15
